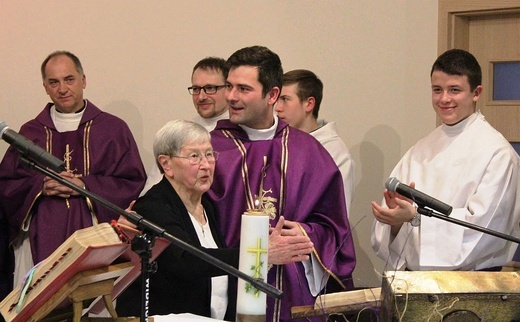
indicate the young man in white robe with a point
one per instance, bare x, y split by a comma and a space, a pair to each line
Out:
299, 105
465, 163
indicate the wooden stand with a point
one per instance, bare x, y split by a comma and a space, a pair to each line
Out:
87, 285
345, 309
435, 296
342, 303
429, 296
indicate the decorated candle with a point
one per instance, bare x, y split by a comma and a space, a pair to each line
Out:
254, 235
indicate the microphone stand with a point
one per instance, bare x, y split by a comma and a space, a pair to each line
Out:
431, 213
144, 243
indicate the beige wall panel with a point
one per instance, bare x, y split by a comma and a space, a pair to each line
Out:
374, 58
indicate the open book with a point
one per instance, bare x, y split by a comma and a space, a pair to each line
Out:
86, 249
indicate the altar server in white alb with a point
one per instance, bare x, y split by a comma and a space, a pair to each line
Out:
299, 105
465, 163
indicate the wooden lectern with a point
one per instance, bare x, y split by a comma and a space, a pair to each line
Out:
90, 269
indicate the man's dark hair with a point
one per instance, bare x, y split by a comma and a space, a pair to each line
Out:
459, 62
270, 72
75, 60
309, 85
212, 63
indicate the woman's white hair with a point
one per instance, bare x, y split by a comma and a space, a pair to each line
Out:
174, 134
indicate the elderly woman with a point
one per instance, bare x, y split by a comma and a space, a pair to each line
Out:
184, 283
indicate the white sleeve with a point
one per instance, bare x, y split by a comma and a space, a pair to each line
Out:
315, 274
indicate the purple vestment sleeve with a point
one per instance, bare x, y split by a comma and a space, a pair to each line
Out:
303, 184
101, 152
5, 262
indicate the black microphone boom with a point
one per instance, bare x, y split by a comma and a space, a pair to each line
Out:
30, 150
421, 199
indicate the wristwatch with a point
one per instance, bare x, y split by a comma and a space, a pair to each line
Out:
416, 220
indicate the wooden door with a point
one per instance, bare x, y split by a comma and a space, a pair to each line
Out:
490, 30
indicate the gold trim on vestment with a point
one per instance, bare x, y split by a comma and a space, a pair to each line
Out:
245, 171
283, 169
86, 150
86, 166
48, 139
320, 261
27, 214
279, 285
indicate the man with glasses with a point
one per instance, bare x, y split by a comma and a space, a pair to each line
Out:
208, 81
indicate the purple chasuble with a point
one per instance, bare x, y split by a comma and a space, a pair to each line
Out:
303, 184
5, 262
101, 152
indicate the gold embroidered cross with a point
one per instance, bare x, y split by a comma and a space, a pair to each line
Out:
67, 157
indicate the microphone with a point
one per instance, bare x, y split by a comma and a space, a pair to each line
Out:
30, 150
421, 199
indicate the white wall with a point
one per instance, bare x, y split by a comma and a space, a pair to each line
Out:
373, 56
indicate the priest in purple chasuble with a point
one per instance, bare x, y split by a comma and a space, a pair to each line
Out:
100, 155
300, 181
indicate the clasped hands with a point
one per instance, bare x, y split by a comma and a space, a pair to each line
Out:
52, 187
400, 210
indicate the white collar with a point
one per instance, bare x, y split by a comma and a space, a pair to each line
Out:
66, 122
262, 134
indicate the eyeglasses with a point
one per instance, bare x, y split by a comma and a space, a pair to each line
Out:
208, 89
196, 158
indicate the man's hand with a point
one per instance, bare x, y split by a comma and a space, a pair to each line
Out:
404, 212
122, 219
287, 244
400, 210
52, 187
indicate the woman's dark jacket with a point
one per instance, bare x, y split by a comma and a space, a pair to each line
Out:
182, 283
